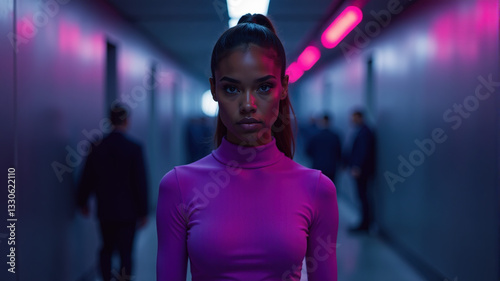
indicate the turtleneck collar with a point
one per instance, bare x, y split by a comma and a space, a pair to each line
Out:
247, 157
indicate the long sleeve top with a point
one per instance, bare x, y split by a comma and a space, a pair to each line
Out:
246, 213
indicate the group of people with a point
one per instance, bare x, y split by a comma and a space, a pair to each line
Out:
357, 156
246, 211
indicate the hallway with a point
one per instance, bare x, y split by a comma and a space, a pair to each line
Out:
423, 73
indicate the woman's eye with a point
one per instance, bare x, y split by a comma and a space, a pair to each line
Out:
265, 88
231, 89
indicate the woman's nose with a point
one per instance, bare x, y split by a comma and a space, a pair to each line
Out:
248, 104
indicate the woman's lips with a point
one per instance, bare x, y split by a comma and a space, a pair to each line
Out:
248, 120
250, 123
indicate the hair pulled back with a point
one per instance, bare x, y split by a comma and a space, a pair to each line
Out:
257, 29
251, 29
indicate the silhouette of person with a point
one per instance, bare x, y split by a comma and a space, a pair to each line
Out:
324, 148
115, 172
361, 164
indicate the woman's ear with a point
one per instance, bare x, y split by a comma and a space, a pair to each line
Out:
284, 84
212, 88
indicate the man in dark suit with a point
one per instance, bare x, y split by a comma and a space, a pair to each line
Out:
115, 172
361, 162
324, 149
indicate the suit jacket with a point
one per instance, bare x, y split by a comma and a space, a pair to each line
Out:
115, 172
362, 152
325, 151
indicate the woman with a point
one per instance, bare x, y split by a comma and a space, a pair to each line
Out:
247, 211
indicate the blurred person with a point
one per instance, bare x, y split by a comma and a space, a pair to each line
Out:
306, 131
198, 135
115, 172
361, 164
247, 211
324, 149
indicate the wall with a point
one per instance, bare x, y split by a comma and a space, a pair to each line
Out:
60, 95
7, 131
438, 204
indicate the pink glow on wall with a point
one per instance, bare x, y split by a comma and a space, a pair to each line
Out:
132, 62
25, 29
341, 26
462, 32
69, 37
92, 47
294, 72
308, 58
72, 41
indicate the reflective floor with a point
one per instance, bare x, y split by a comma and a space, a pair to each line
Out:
363, 257
360, 257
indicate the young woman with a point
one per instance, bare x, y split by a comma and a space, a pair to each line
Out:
247, 211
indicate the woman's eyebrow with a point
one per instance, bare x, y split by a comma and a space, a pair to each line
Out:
230, 80
262, 79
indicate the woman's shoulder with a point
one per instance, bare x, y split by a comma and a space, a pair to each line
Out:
296, 167
323, 183
169, 180
207, 161
326, 188
200, 166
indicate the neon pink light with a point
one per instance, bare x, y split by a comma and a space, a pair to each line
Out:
341, 26
308, 58
294, 72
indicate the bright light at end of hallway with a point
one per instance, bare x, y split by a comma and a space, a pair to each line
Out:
208, 105
238, 8
341, 26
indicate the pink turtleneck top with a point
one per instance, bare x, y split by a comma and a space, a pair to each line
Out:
246, 213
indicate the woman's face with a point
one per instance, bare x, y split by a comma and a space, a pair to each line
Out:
248, 87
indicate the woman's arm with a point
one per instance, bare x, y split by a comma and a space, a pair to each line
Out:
321, 256
171, 263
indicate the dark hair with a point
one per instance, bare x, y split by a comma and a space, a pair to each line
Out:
257, 29
326, 117
358, 112
118, 114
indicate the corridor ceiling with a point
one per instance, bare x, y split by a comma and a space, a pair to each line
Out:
188, 29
